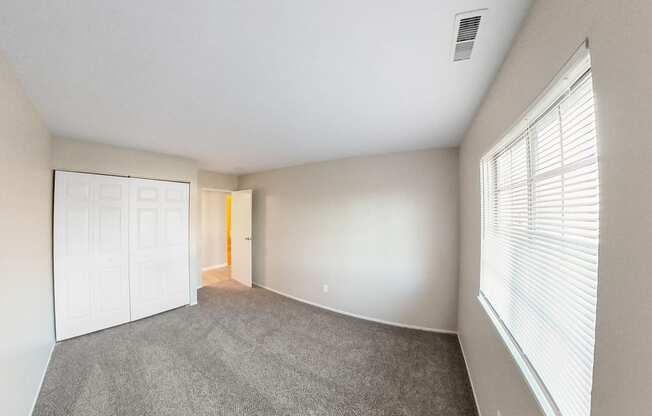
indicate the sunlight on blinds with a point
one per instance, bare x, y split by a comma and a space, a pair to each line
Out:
539, 272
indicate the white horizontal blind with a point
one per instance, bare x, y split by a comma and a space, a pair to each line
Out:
540, 214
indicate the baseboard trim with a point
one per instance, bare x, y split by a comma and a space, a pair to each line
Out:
242, 283
366, 318
213, 267
40, 385
468, 372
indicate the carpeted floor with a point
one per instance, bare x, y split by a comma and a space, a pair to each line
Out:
252, 352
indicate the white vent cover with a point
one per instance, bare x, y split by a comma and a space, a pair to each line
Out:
467, 25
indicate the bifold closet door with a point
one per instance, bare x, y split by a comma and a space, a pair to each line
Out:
91, 248
158, 247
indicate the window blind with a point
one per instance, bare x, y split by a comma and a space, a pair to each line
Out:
540, 216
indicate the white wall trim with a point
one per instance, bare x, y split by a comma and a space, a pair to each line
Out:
40, 385
366, 318
468, 372
213, 267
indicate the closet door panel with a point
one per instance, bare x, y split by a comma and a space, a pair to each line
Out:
72, 250
77, 295
176, 247
111, 260
111, 297
90, 253
159, 275
144, 262
176, 278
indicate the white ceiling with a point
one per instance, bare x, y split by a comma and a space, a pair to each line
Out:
250, 85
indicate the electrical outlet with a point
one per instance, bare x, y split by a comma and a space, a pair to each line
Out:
325, 288
498, 413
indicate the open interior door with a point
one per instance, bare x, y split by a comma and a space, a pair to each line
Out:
241, 236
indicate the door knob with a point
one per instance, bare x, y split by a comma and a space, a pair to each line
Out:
248, 238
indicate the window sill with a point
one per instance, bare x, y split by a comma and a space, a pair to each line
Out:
531, 378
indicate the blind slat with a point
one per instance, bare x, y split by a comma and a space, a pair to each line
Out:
540, 221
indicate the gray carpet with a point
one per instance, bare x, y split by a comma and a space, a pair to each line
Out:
252, 352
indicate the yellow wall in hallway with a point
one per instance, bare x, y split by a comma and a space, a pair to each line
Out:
228, 229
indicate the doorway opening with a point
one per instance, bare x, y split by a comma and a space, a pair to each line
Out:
216, 236
226, 236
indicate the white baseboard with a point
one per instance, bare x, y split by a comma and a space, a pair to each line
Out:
468, 372
246, 283
366, 318
213, 267
40, 385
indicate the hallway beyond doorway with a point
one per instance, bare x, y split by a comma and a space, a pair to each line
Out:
213, 276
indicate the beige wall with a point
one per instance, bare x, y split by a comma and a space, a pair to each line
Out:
84, 156
26, 314
214, 180
620, 38
381, 231
213, 241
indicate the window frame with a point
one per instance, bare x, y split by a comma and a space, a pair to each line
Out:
573, 71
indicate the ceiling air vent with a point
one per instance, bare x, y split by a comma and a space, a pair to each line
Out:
467, 25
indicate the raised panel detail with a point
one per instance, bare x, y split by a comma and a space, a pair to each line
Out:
150, 283
77, 223
110, 283
177, 267
147, 229
110, 192
110, 230
174, 227
173, 195
79, 294
79, 191
149, 193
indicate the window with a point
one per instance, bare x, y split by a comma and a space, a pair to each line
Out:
540, 225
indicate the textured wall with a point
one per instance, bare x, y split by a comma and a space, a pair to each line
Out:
26, 314
619, 33
381, 231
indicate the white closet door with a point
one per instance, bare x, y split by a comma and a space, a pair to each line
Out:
91, 247
158, 255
